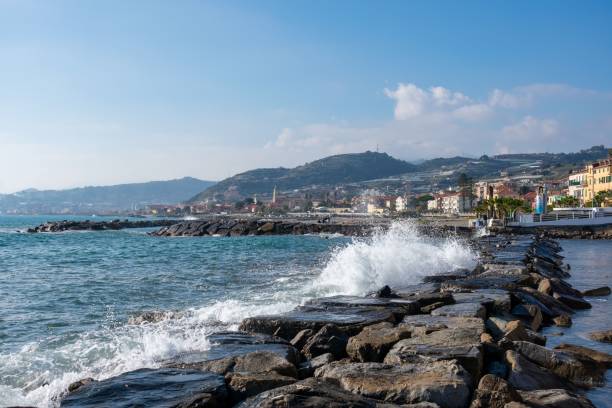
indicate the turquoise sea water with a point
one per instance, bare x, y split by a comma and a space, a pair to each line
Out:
70, 302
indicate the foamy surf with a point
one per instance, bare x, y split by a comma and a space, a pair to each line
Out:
41, 372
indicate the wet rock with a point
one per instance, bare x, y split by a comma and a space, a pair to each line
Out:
604, 336
461, 310
493, 392
152, 388
495, 300
311, 393
461, 344
581, 351
244, 385
307, 368
602, 291
572, 301
385, 292
300, 339
555, 398
227, 345
515, 331
420, 289
330, 339
307, 317
78, 384
484, 282
428, 309
525, 375
442, 382
374, 342
582, 371
152, 317
550, 306
530, 313
398, 306
563, 320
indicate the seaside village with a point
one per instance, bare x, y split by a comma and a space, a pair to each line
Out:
520, 197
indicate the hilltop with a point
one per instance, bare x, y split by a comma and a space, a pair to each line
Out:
92, 199
332, 170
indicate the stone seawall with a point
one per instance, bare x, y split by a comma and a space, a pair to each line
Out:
87, 225
464, 339
565, 232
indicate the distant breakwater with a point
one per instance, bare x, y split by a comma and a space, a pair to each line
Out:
562, 232
468, 338
87, 225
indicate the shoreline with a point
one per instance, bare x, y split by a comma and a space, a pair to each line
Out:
474, 331
232, 226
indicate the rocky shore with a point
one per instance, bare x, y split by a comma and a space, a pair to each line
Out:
565, 232
227, 227
87, 225
464, 339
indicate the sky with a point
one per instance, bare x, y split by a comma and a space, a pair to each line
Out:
106, 92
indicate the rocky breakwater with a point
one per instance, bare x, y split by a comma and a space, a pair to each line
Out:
465, 339
226, 227
87, 225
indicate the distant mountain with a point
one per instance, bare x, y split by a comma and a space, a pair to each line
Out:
339, 169
93, 199
432, 174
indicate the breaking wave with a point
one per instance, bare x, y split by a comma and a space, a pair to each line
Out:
397, 257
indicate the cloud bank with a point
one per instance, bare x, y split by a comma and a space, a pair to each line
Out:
437, 121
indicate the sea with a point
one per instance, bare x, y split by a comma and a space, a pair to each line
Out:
72, 304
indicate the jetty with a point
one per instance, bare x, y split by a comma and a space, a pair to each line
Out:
87, 225
468, 338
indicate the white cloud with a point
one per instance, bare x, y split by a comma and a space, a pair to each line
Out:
434, 122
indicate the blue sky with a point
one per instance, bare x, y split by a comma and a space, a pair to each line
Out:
109, 92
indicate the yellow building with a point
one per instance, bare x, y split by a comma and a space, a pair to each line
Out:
598, 178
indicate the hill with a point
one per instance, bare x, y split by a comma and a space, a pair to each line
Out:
428, 175
92, 199
333, 170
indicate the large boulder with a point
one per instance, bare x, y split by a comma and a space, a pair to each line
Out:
462, 310
580, 370
287, 325
495, 300
525, 375
442, 382
461, 344
602, 291
152, 388
604, 336
424, 324
581, 352
555, 398
329, 339
373, 343
493, 392
574, 302
246, 384
313, 393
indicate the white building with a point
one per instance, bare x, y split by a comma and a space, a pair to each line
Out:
401, 204
455, 203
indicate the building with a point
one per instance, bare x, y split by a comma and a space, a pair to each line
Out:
577, 183
585, 183
599, 178
450, 203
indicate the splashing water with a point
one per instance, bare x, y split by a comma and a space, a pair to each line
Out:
397, 257
40, 371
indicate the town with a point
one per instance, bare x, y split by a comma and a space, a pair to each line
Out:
528, 192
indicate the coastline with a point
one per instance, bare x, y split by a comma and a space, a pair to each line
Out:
475, 331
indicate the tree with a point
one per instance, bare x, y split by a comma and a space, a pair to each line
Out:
567, 202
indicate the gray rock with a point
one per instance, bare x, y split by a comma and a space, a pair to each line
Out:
604, 336
313, 393
495, 300
246, 384
461, 344
330, 339
421, 324
442, 382
572, 301
373, 342
555, 398
152, 388
462, 310
602, 291
581, 351
525, 375
583, 371
493, 392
